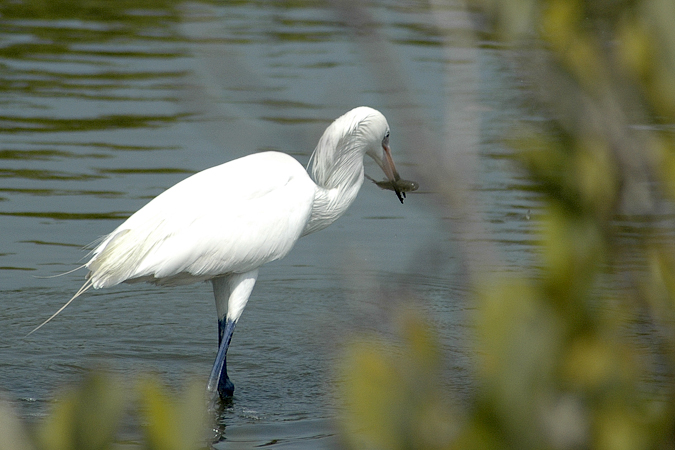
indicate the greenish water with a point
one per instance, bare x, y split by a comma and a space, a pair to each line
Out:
105, 104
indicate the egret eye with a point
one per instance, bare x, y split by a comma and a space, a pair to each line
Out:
386, 138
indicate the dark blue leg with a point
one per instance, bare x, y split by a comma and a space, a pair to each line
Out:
219, 379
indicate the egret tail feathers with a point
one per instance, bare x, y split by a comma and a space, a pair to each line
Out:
82, 290
61, 274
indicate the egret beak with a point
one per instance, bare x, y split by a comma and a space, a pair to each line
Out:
387, 165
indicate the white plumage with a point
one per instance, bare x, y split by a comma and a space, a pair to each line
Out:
223, 223
230, 218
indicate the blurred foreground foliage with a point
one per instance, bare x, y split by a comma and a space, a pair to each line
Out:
558, 365
94, 416
578, 352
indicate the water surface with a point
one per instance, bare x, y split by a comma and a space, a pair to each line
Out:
104, 108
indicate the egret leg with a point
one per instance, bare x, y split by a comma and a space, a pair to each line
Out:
219, 380
231, 293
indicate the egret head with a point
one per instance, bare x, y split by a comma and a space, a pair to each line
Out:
339, 154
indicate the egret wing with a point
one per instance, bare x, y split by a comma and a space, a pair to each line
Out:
228, 219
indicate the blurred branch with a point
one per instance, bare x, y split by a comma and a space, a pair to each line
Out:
447, 162
559, 364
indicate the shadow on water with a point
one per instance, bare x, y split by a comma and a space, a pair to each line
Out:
305, 433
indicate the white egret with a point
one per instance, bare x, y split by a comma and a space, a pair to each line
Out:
225, 222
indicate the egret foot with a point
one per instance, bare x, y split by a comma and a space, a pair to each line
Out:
225, 386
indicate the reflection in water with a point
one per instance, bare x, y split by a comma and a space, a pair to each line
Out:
106, 104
